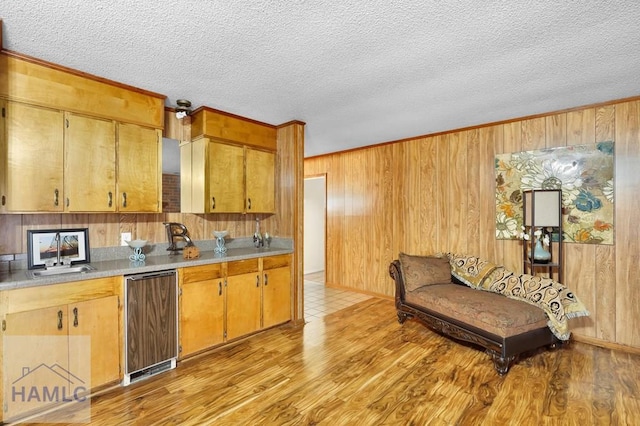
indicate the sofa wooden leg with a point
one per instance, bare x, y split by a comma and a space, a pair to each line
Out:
501, 364
402, 317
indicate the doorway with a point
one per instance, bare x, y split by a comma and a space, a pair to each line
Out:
315, 203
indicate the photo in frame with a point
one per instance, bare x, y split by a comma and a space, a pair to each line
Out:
43, 246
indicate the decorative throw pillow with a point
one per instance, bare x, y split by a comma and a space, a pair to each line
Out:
556, 300
471, 270
420, 271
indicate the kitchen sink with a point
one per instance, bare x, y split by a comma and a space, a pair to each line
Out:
60, 270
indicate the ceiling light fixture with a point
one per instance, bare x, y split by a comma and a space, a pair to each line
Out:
183, 109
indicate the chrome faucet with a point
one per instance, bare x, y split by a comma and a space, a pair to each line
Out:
258, 241
57, 239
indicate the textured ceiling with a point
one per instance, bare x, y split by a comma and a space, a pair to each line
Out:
357, 72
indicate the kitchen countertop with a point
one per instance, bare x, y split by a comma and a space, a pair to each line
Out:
108, 268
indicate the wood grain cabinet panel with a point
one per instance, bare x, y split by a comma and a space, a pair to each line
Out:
224, 301
97, 318
139, 168
243, 304
68, 163
230, 179
225, 178
47, 343
20, 361
201, 315
260, 181
32, 159
151, 323
276, 296
90, 164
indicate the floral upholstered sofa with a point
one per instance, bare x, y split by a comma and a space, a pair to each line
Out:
474, 300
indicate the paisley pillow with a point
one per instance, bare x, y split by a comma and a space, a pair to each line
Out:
420, 271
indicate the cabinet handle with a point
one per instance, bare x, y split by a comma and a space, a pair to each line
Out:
4, 200
213, 203
219, 288
257, 280
67, 201
59, 320
75, 317
56, 193
110, 198
266, 279
124, 199
248, 203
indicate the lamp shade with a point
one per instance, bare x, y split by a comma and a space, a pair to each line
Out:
542, 207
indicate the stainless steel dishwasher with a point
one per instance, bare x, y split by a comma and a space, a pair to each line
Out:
151, 324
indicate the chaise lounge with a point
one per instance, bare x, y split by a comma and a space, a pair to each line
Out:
459, 296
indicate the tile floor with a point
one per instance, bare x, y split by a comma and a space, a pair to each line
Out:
320, 300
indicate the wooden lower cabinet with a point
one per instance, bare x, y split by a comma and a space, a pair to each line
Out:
201, 308
225, 301
243, 304
276, 296
97, 318
55, 352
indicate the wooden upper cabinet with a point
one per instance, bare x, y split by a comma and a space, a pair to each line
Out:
32, 159
139, 168
72, 142
225, 177
227, 127
260, 181
90, 164
229, 165
38, 82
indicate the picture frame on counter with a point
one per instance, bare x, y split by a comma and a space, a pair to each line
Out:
43, 246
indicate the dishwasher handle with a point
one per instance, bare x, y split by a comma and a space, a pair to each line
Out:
148, 275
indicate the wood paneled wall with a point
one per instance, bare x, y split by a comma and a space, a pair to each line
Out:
437, 193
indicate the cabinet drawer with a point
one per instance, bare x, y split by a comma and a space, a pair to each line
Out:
271, 262
242, 267
202, 273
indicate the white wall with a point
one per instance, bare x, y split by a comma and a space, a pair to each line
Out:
314, 224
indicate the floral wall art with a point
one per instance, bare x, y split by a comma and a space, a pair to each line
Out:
583, 172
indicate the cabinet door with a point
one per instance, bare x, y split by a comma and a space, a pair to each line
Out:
260, 181
90, 164
243, 304
33, 159
35, 350
3, 157
225, 178
139, 169
276, 296
97, 318
201, 315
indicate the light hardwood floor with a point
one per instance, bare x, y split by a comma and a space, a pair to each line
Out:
360, 367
